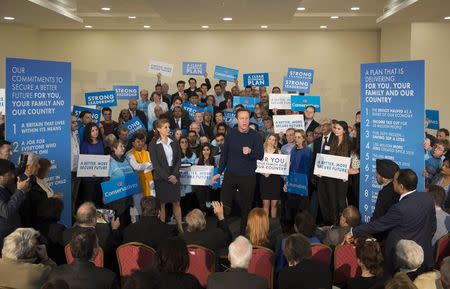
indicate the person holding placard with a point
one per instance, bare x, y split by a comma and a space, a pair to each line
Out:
206, 158
270, 184
165, 154
124, 116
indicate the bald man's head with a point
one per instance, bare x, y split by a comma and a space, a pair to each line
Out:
351, 217
86, 214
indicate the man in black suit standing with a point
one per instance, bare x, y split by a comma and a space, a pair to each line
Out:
83, 273
149, 230
239, 255
310, 123
132, 107
412, 218
387, 197
178, 120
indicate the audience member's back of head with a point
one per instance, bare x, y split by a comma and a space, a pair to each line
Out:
437, 193
400, 281
410, 255
258, 227
20, 244
445, 273
86, 214
150, 206
50, 209
407, 178
84, 244
352, 216
369, 253
172, 256
297, 248
55, 284
305, 224
143, 279
240, 253
195, 221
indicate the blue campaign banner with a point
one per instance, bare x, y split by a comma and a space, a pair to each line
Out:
38, 95
76, 110
209, 108
126, 91
119, 188
101, 98
225, 73
191, 109
229, 118
300, 102
433, 118
247, 101
296, 84
301, 73
297, 184
392, 114
256, 79
133, 125
194, 68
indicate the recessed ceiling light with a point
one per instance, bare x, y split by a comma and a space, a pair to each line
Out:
301, 8
205, 26
355, 8
146, 26
106, 8
132, 17
227, 18
8, 18
334, 17
264, 26
323, 27
87, 26
447, 18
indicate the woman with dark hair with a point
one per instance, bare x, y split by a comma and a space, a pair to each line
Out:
206, 158
188, 158
165, 154
93, 141
353, 192
172, 261
302, 272
305, 225
370, 259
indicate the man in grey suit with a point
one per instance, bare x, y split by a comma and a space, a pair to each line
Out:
239, 255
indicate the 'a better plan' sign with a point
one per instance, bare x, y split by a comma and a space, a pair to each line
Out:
332, 166
196, 175
93, 166
276, 164
282, 122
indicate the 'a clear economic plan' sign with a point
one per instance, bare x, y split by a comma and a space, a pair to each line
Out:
256, 79
194, 68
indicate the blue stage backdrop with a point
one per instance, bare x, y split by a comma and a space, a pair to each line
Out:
38, 117
392, 125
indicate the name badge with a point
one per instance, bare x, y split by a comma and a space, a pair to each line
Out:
327, 148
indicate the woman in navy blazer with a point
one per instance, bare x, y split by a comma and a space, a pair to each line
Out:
166, 159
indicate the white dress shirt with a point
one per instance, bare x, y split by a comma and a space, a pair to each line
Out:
167, 150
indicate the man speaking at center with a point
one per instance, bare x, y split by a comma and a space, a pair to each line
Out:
243, 147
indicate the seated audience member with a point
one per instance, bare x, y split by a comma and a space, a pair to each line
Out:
349, 218
24, 263
55, 284
400, 281
442, 179
442, 217
149, 229
82, 273
370, 259
302, 272
305, 225
10, 202
197, 232
445, 273
410, 258
51, 230
258, 228
143, 279
172, 261
239, 255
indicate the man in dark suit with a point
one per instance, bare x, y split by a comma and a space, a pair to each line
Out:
412, 218
387, 197
149, 230
239, 255
178, 120
132, 107
310, 123
193, 85
180, 90
82, 273
205, 130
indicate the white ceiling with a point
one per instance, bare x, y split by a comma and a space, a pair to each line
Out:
246, 14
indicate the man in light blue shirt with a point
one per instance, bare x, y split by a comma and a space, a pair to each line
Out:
143, 102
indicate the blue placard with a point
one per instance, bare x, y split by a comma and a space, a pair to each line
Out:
297, 184
126, 91
247, 101
256, 79
300, 102
296, 84
229, 118
225, 73
133, 125
433, 118
301, 73
209, 108
194, 68
101, 98
76, 110
38, 95
392, 113
119, 188
191, 109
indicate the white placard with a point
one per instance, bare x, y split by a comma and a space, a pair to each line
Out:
279, 101
282, 122
196, 175
93, 166
276, 164
2, 101
332, 166
156, 67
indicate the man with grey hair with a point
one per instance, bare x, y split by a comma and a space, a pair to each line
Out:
239, 255
28, 169
409, 258
24, 262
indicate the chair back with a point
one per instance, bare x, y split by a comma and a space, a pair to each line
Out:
98, 261
321, 253
345, 263
202, 263
442, 249
134, 256
262, 264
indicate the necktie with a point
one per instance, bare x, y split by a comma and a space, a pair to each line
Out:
324, 143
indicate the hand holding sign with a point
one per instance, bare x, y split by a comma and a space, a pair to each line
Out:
214, 179
246, 150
